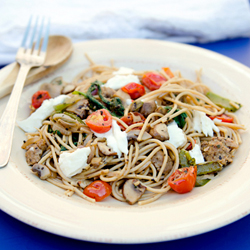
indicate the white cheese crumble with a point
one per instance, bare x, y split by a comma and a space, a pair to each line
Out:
119, 81
123, 71
35, 120
73, 163
129, 101
116, 139
176, 135
202, 123
196, 154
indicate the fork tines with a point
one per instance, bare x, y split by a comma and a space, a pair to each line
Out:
41, 36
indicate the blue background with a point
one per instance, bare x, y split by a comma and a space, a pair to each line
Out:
17, 235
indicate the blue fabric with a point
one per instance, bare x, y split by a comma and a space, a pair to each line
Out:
17, 235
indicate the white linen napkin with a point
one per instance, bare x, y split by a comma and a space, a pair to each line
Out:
172, 20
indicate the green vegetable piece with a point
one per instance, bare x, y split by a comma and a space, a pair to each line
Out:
63, 148
114, 106
180, 119
57, 132
222, 102
201, 182
68, 102
208, 168
79, 93
73, 116
61, 107
185, 159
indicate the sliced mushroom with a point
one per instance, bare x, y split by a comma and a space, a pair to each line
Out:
108, 92
133, 190
96, 162
161, 110
158, 159
136, 106
105, 149
88, 139
169, 165
54, 87
60, 128
80, 108
42, 171
160, 132
133, 134
92, 154
148, 108
68, 88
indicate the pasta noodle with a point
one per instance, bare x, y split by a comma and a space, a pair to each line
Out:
182, 95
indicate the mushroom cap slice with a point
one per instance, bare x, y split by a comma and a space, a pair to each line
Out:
105, 149
133, 134
42, 171
148, 108
133, 190
160, 132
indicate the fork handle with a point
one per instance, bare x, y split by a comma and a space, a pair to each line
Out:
7, 121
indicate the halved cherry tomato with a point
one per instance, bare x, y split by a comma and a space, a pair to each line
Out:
153, 80
168, 72
98, 190
183, 179
223, 118
129, 119
100, 121
39, 97
135, 90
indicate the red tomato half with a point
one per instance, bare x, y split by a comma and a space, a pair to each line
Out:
153, 80
183, 179
39, 97
223, 118
100, 121
98, 190
135, 90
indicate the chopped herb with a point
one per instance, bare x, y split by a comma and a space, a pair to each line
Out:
57, 132
63, 148
50, 129
180, 119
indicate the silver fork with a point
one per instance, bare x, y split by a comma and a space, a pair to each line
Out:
28, 57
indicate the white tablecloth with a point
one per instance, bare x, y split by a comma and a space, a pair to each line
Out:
174, 20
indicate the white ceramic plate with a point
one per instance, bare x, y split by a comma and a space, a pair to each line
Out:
174, 216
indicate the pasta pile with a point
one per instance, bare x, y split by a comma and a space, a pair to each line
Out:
180, 94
